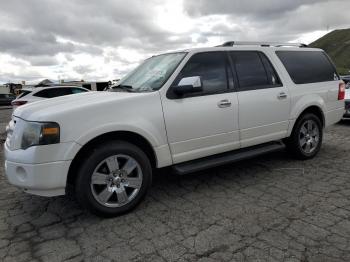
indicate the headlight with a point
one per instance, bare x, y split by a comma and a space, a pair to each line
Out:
27, 134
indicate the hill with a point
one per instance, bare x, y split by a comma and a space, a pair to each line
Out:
337, 46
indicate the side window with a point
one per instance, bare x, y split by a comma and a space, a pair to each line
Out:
254, 71
272, 76
308, 66
24, 93
77, 90
53, 92
42, 93
212, 67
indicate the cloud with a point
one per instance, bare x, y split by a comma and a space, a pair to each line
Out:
96, 39
17, 42
83, 69
27, 75
271, 19
42, 60
90, 22
263, 9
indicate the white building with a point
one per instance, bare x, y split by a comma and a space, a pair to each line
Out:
4, 90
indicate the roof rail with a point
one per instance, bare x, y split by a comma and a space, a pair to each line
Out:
265, 44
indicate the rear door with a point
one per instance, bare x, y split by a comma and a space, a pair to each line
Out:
264, 102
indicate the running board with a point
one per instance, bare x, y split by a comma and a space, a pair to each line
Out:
226, 158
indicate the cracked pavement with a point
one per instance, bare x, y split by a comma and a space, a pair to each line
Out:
271, 208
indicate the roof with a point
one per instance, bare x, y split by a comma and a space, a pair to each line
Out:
246, 45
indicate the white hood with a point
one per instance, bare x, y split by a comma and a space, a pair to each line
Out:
46, 110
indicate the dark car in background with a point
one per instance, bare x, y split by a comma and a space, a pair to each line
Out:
6, 99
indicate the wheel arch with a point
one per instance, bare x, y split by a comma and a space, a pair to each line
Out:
127, 136
314, 109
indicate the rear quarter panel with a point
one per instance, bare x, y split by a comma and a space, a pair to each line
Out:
321, 94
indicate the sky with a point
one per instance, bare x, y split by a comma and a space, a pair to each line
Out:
103, 40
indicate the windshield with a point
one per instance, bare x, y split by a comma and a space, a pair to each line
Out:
152, 73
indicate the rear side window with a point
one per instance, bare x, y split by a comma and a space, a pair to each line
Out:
24, 93
308, 66
53, 92
254, 70
77, 90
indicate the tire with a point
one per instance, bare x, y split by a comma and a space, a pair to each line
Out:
303, 138
113, 179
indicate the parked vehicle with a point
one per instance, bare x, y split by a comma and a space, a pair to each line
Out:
347, 101
190, 110
346, 79
6, 99
42, 93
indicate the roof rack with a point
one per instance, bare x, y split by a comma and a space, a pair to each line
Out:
265, 44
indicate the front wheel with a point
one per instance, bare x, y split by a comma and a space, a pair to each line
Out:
306, 138
113, 179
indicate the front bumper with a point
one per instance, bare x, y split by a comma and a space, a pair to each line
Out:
40, 170
48, 179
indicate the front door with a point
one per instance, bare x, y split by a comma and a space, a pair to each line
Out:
206, 122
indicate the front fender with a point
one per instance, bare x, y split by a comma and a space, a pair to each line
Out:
101, 130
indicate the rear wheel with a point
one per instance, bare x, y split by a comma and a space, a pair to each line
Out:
113, 179
306, 138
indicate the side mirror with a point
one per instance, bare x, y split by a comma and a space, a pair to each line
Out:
188, 85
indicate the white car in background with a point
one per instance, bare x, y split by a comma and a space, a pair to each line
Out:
347, 101
42, 93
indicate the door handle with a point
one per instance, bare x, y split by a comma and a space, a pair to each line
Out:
224, 103
282, 95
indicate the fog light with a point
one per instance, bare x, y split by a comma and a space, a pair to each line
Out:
21, 174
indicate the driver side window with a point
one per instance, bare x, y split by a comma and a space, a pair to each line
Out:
212, 68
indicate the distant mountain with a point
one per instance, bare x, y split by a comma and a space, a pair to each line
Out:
337, 46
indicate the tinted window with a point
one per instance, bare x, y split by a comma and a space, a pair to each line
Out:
77, 90
211, 67
53, 92
254, 70
2, 96
24, 93
308, 66
272, 76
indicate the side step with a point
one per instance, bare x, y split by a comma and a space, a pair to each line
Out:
226, 158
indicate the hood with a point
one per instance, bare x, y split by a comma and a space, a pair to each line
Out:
47, 109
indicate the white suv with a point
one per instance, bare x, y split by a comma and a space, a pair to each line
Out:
191, 110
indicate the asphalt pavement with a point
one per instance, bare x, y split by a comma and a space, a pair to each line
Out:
271, 208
